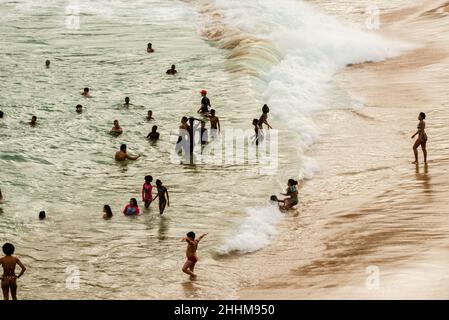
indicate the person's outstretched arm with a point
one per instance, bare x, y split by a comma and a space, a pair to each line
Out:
202, 236
132, 158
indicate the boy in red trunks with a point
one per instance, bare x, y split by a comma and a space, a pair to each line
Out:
192, 258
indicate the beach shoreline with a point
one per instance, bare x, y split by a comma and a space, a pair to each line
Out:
369, 210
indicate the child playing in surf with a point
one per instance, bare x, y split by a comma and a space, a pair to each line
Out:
264, 117
131, 209
292, 193
192, 258
161, 192
147, 191
9, 278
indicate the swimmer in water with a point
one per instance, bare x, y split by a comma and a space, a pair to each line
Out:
9, 278
149, 115
122, 155
264, 117
153, 135
79, 108
150, 48
107, 212
1, 196
42, 215
33, 121
86, 93
172, 70
161, 192
205, 103
192, 247
127, 104
422, 138
147, 191
1, 114
131, 209
292, 193
116, 129
47, 63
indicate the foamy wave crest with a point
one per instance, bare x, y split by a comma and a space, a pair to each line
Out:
255, 231
293, 50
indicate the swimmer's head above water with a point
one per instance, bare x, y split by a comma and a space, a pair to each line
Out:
42, 215
127, 100
47, 63
79, 108
1, 114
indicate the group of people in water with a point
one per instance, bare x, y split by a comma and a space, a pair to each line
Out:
9, 262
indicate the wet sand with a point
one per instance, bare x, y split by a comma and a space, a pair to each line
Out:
371, 224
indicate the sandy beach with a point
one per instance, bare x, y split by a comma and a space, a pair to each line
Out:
369, 212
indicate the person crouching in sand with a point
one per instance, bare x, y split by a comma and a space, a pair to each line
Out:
9, 278
192, 258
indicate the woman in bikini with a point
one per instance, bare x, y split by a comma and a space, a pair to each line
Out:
422, 138
161, 192
9, 278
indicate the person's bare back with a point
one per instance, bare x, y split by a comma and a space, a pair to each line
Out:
9, 278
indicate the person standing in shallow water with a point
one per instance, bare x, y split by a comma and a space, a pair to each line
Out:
161, 192
147, 191
150, 48
122, 155
422, 138
9, 278
192, 258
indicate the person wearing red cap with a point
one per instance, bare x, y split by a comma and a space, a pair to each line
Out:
205, 103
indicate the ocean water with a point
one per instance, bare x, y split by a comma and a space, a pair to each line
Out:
245, 54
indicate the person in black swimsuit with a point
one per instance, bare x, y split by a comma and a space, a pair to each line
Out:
161, 192
205, 103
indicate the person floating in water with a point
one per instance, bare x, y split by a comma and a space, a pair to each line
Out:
42, 215
161, 192
256, 130
264, 117
422, 138
127, 104
147, 191
149, 115
47, 63
122, 155
107, 212
292, 193
153, 135
214, 123
150, 48
192, 247
172, 70
116, 129
86, 93
131, 209
79, 108
33, 121
9, 278
205, 103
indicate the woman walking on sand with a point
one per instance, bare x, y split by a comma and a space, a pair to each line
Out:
422, 138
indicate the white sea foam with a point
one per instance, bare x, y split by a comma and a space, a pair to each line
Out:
310, 47
255, 231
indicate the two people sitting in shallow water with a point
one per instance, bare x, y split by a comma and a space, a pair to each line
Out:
291, 193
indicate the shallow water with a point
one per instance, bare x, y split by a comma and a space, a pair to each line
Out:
65, 164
